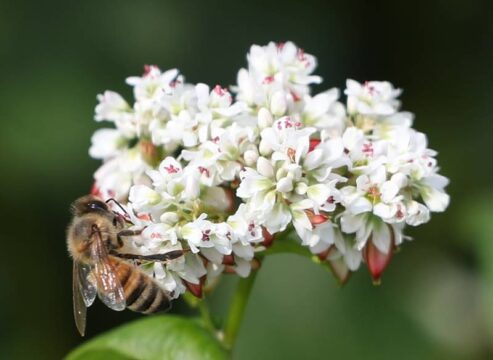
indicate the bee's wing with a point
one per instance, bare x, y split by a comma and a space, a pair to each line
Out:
83, 292
87, 286
109, 288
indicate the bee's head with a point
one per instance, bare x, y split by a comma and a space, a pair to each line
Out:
88, 204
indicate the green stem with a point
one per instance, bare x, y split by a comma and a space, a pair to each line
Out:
284, 243
237, 309
205, 314
204, 311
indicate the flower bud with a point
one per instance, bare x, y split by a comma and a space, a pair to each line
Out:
265, 148
278, 103
264, 118
250, 157
229, 259
268, 238
340, 270
376, 260
195, 289
169, 218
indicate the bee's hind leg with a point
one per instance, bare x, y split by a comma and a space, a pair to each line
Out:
171, 255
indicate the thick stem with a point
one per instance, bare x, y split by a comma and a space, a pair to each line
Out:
237, 310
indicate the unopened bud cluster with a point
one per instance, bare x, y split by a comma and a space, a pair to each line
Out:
221, 171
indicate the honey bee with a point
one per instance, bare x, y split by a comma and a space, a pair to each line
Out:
93, 236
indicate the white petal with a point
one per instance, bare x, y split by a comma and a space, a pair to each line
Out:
265, 119
318, 193
381, 237
435, 199
264, 167
436, 181
353, 258
360, 205
313, 159
351, 223
278, 103
105, 143
285, 185
384, 211
388, 191
278, 219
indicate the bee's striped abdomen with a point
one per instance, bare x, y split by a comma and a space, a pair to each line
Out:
142, 294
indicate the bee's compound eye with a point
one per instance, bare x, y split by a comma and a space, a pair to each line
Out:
97, 205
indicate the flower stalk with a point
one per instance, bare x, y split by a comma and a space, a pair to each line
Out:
237, 310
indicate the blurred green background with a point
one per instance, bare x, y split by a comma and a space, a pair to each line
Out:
436, 300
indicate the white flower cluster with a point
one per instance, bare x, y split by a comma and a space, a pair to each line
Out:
219, 175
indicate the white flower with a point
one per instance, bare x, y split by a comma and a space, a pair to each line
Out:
115, 177
158, 236
197, 233
106, 143
417, 214
217, 102
283, 135
324, 112
278, 75
244, 225
283, 60
432, 191
153, 83
327, 155
372, 97
111, 107
365, 225
143, 198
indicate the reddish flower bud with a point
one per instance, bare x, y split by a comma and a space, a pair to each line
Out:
376, 260
195, 289
229, 260
268, 238
313, 144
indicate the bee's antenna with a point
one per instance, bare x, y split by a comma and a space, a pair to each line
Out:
119, 205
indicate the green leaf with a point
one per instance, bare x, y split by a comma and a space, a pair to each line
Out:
156, 337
